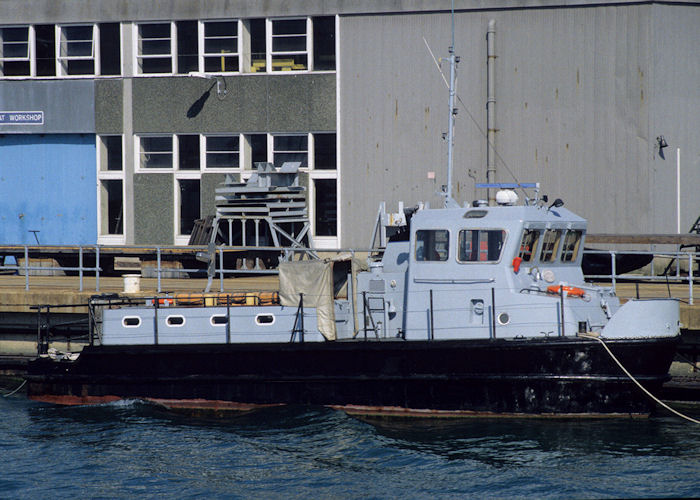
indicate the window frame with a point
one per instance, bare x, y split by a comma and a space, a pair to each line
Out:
138, 145
29, 58
107, 238
504, 235
139, 56
62, 44
574, 252
553, 253
180, 238
204, 152
271, 54
433, 230
204, 55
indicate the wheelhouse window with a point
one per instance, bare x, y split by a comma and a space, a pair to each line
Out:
289, 44
550, 245
432, 245
528, 244
480, 245
220, 41
154, 52
76, 52
570, 247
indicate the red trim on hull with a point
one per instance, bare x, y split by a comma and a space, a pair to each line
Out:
73, 400
208, 404
398, 412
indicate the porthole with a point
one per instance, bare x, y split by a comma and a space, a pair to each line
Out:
175, 320
503, 319
218, 320
265, 319
131, 321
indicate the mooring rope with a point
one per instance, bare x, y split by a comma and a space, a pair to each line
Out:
11, 393
635, 380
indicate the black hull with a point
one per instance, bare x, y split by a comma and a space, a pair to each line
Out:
566, 376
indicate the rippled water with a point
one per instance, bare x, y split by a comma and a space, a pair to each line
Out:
132, 449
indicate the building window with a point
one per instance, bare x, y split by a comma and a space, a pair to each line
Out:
324, 43
325, 207
112, 206
325, 157
222, 151
290, 148
188, 198
110, 194
156, 152
15, 56
76, 50
221, 50
187, 51
289, 49
188, 152
110, 49
255, 35
110, 153
155, 48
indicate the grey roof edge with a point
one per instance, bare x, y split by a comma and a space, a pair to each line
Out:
57, 11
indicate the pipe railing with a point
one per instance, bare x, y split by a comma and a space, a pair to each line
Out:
28, 252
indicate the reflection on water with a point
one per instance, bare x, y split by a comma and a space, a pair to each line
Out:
133, 448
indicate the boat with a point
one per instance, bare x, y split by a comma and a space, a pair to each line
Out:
479, 309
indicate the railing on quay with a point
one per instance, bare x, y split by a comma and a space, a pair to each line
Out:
254, 254
674, 270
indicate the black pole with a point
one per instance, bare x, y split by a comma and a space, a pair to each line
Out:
493, 311
431, 336
155, 320
301, 307
364, 311
561, 299
228, 319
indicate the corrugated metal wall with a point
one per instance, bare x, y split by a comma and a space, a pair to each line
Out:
582, 94
48, 184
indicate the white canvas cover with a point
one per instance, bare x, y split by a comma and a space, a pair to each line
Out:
313, 278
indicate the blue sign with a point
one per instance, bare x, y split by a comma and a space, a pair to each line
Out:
21, 117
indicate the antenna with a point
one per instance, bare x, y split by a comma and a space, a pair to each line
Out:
449, 201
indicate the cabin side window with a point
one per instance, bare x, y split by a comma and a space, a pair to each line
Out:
480, 245
528, 244
570, 247
550, 245
432, 245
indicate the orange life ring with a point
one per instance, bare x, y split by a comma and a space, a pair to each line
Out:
571, 291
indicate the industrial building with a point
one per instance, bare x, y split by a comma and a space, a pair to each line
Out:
118, 118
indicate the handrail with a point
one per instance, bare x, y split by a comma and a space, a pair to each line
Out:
97, 269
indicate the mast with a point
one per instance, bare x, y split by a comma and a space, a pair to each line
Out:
449, 201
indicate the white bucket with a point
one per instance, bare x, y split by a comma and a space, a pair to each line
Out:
132, 283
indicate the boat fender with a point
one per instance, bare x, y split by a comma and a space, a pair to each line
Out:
516, 264
571, 291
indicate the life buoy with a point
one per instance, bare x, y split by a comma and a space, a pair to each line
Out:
571, 291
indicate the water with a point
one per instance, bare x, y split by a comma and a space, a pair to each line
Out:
134, 449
